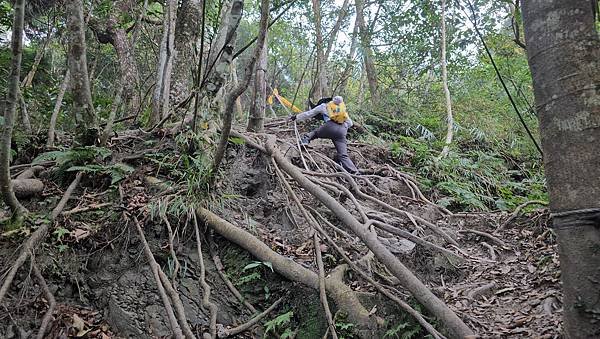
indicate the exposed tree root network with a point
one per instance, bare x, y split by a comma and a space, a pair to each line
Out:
284, 229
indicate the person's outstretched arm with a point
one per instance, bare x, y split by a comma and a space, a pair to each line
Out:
320, 109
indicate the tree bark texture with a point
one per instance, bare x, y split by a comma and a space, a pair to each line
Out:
187, 30
320, 88
256, 121
80, 83
563, 49
449, 117
367, 51
8, 194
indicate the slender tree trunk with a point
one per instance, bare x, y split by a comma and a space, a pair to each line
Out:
367, 52
320, 87
39, 54
336, 28
564, 57
108, 129
256, 122
449, 117
349, 63
8, 194
235, 81
57, 106
87, 128
160, 99
237, 7
24, 113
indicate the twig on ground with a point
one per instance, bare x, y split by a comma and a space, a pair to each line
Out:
86, 208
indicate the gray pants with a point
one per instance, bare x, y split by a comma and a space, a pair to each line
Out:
336, 133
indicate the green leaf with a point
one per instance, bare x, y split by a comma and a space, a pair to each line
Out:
237, 141
60, 233
252, 265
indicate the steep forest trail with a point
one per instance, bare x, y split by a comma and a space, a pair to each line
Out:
256, 225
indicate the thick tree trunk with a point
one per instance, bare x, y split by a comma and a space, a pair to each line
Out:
449, 117
83, 107
57, 106
367, 52
320, 88
564, 57
256, 121
8, 194
187, 31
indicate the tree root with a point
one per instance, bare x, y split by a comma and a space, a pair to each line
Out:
206, 303
37, 237
394, 230
481, 290
224, 333
343, 295
454, 324
385, 205
177, 333
427, 326
51, 302
322, 293
515, 214
485, 234
230, 286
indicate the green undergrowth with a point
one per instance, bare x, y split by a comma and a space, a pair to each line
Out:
482, 172
472, 178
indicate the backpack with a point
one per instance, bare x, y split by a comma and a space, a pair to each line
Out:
337, 113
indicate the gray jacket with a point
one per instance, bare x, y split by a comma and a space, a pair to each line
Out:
320, 109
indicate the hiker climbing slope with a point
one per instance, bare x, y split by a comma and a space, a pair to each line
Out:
337, 123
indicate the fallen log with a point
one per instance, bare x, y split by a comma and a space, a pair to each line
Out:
26, 188
343, 295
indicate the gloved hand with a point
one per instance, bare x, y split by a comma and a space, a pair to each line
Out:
292, 118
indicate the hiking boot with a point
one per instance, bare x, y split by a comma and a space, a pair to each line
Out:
305, 140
